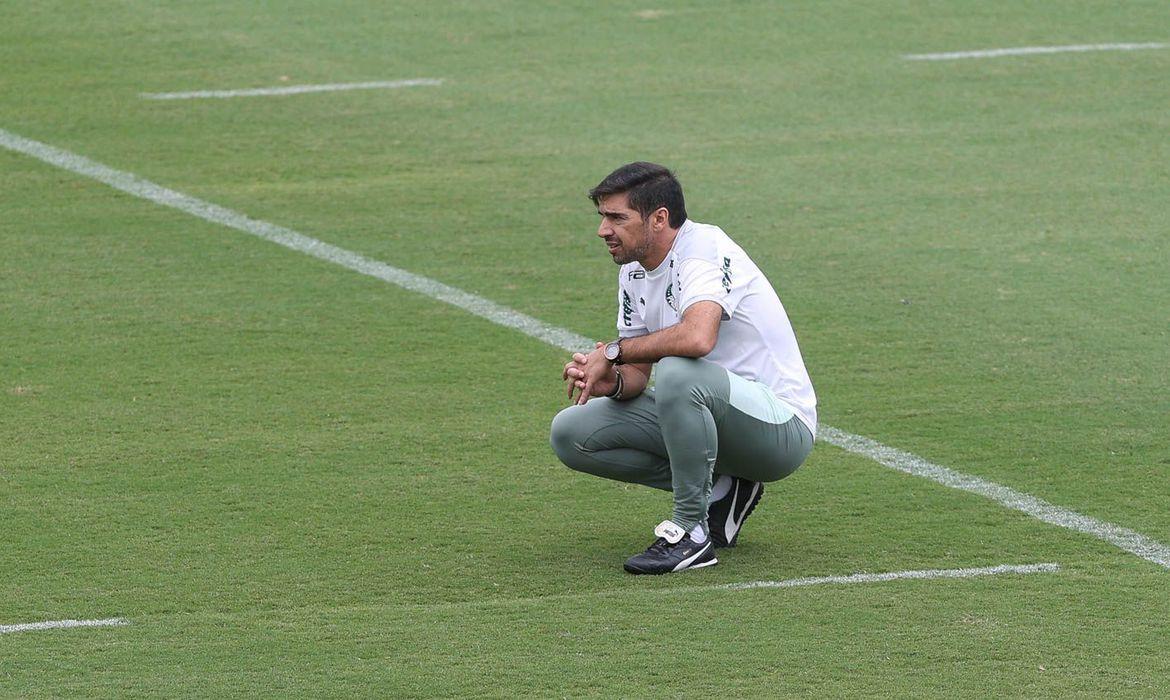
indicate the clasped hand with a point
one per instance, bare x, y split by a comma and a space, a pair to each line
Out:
591, 375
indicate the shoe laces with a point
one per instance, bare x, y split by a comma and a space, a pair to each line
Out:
660, 545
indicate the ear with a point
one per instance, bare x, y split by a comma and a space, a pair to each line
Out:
660, 219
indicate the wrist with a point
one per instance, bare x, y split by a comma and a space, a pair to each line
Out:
619, 385
613, 351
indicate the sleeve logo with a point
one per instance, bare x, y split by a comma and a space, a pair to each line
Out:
727, 274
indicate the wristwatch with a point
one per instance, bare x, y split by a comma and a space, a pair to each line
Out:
613, 351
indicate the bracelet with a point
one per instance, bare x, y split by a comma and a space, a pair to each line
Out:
616, 394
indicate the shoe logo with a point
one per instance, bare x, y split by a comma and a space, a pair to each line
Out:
685, 563
669, 531
733, 524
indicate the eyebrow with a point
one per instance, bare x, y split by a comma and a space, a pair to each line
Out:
613, 214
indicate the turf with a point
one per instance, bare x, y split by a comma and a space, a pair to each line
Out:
295, 480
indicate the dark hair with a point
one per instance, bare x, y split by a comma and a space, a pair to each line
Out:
650, 186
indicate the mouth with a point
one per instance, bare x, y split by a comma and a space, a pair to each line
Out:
613, 245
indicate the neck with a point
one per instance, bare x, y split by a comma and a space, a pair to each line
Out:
659, 250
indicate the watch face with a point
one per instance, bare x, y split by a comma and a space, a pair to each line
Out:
612, 351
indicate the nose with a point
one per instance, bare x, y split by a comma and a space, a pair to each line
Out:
606, 227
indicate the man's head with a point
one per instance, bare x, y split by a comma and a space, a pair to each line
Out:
641, 207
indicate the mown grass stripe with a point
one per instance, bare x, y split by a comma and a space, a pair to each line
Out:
1124, 538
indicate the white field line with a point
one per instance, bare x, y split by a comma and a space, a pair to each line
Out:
144, 189
291, 89
921, 574
1128, 540
1030, 50
1124, 538
63, 624
895, 575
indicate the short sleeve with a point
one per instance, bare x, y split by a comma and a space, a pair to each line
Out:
704, 280
629, 317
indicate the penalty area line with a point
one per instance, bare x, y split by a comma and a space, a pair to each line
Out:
1030, 51
63, 624
1129, 540
290, 89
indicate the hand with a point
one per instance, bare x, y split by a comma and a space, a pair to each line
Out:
591, 375
574, 374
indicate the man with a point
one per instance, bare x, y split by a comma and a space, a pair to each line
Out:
732, 404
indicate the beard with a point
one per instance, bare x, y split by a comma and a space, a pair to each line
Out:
625, 255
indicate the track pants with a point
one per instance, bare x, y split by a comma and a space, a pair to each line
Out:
698, 419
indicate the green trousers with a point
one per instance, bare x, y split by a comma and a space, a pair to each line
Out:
699, 419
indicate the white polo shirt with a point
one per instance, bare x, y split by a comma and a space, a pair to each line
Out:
755, 342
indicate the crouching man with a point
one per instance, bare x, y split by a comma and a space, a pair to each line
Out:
732, 406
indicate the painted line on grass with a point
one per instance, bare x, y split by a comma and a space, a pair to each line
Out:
1030, 51
920, 574
63, 624
291, 89
144, 189
1124, 538
1047, 568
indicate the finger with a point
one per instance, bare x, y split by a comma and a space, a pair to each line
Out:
586, 389
570, 368
581, 397
580, 358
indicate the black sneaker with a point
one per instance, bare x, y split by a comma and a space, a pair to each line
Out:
727, 515
674, 550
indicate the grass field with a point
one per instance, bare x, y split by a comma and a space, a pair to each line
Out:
295, 480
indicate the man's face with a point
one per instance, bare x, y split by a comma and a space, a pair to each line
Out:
624, 230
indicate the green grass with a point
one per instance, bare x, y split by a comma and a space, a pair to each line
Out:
295, 480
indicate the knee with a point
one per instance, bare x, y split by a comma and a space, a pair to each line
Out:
565, 434
674, 378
